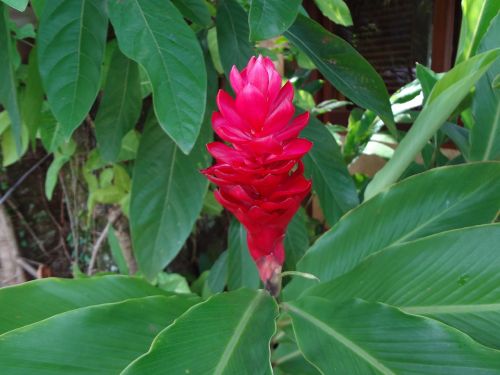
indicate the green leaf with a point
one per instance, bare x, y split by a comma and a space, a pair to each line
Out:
485, 135
33, 96
289, 359
336, 10
10, 154
462, 196
343, 66
358, 337
427, 79
268, 18
100, 339
53, 173
71, 42
154, 34
451, 276
173, 282
241, 269
19, 5
459, 135
231, 334
120, 107
195, 11
8, 88
167, 196
116, 252
213, 47
233, 35
476, 17
217, 278
331, 180
31, 302
446, 95
296, 239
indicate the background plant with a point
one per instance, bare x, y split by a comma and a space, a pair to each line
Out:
120, 94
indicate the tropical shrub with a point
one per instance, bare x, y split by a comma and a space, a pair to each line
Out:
405, 280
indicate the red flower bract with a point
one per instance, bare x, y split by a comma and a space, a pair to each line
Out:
260, 178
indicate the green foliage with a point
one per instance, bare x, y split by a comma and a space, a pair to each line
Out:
236, 326
71, 42
268, 19
167, 196
241, 270
154, 34
485, 136
461, 196
405, 282
343, 66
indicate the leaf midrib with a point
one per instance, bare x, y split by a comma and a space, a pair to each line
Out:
167, 197
350, 345
163, 63
451, 309
233, 342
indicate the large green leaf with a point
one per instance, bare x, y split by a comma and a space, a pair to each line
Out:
241, 269
364, 338
154, 34
476, 17
485, 135
432, 202
343, 66
331, 180
296, 239
452, 276
120, 106
71, 42
37, 300
100, 339
33, 97
19, 5
446, 95
194, 10
8, 86
233, 35
167, 196
336, 10
228, 334
269, 18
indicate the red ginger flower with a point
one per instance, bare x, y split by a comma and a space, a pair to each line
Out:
260, 179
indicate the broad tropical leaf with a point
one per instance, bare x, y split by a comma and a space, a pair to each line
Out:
268, 19
364, 338
8, 87
241, 269
485, 135
296, 239
477, 16
343, 66
331, 179
233, 35
30, 302
458, 197
446, 95
451, 276
154, 34
100, 339
167, 197
19, 5
336, 10
71, 42
230, 334
194, 10
120, 105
